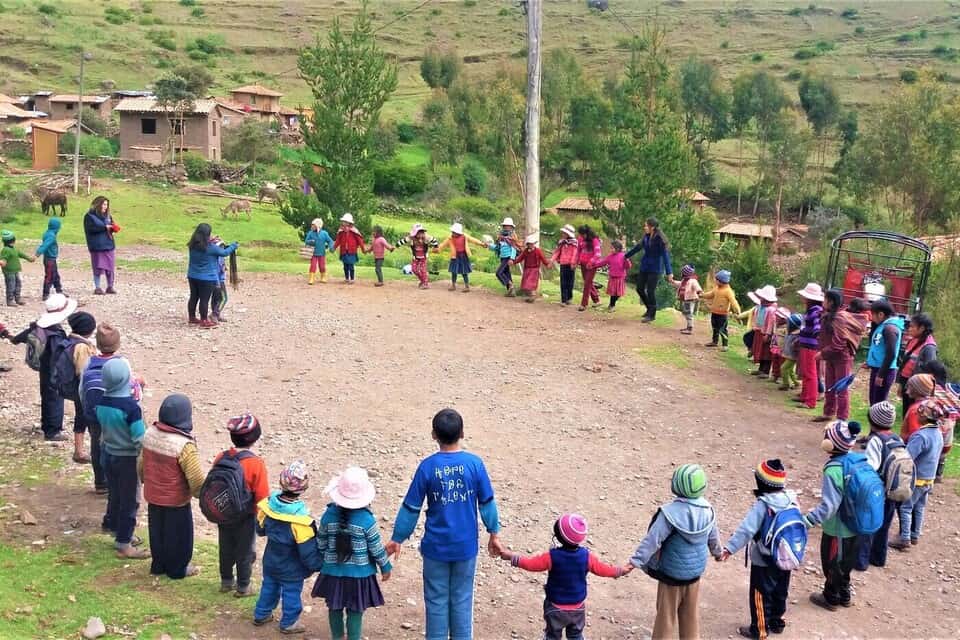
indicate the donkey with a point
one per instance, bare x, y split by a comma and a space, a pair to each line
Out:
235, 208
53, 199
269, 191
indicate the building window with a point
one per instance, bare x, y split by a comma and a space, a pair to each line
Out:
253, 99
148, 126
178, 127
213, 131
69, 106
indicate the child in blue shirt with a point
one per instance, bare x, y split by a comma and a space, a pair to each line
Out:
122, 429
49, 249
456, 487
506, 247
924, 446
320, 240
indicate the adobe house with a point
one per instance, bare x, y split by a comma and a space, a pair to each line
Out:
232, 113
742, 233
39, 101
577, 206
145, 130
45, 136
258, 99
694, 197
64, 106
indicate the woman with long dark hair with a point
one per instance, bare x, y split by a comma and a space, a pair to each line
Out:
588, 245
655, 261
99, 227
203, 273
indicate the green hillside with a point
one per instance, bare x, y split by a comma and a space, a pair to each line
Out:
863, 45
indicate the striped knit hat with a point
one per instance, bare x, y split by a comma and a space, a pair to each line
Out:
771, 476
244, 430
931, 410
572, 529
689, 481
294, 478
883, 414
840, 436
687, 270
921, 385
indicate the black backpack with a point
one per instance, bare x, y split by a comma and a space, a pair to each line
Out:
63, 373
224, 496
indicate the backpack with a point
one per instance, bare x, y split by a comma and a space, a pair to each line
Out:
897, 469
36, 340
224, 496
783, 536
863, 494
63, 372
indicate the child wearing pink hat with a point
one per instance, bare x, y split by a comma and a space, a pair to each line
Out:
349, 540
567, 566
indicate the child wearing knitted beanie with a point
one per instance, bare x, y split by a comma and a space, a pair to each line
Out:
879, 448
769, 584
838, 545
924, 446
568, 564
688, 293
678, 561
237, 540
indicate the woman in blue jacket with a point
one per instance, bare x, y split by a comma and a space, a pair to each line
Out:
203, 273
98, 229
655, 260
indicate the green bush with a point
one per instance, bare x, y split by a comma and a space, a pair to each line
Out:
796, 11
469, 3
860, 30
823, 46
725, 44
909, 76
17, 133
805, 53
474, 178
750, 269
197, 12
196, 166
116, 15
504, 11
394, 178
550, 224
210, 44
163, 38
794, 75
188, 3
479, 208
406, 132
90, 146
48, 9
757, 57
943, 305
850, 14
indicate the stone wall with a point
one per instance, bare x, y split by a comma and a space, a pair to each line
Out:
134, 169
19, 148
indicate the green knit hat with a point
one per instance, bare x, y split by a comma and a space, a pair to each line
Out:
7, 236
689, 481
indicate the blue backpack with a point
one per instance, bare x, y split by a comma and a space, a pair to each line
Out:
863, 495
783, 537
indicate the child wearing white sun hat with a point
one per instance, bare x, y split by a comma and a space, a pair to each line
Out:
506, 247
531, 258
459, 243
352, 550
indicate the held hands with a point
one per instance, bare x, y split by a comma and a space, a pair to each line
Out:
626, 569
494, 546
724, 555
394, 549
506, 555
385, 576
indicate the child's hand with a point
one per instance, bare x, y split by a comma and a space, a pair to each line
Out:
506, 555
494, 546
394, 549
723, 556
626, 569
385, 576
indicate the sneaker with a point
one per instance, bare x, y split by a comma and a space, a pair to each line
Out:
57, 437
724, 348
822, 419
746, 632
820, 601
899, 545
244, 592
581, 308
378, 284
686, 331
111, 291
259, 622
710, 344
193, 321
295, 628
511, 293
914, 542
98, 291
208, 324
11, 303
452, 287
466, 288
646, 319
528, 300
101, 491
227, 586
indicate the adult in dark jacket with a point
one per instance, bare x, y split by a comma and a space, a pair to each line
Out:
203, 272
655, 261
99, 227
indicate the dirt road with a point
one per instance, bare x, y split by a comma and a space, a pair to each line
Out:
564, 412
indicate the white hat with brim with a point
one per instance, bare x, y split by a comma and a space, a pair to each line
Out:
56, 309
812, 291
456, 228
318, 223
569, 230
753, 297
507, 222
351, 489
533, 238
417, 228
767, 293
347, 217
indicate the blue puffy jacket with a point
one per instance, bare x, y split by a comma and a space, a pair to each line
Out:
99, 236
675, 548
48, 246
205, 265
292, 553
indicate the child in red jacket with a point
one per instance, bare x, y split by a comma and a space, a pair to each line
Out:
567, 255
564, 606
617, 268
349, 241
530, 258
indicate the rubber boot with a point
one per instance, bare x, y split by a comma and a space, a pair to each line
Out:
311, 278
939, 477
323, 277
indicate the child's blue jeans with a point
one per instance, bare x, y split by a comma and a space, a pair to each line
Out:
271, 592
448, 598
911, 513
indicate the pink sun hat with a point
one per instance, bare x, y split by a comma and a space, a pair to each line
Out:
572, 528
351, 489
812, 291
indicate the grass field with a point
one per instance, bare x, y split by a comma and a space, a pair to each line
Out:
862, 45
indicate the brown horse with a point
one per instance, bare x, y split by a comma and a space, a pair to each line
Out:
53, 199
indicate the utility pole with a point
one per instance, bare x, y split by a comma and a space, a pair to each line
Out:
531, 204
76, 146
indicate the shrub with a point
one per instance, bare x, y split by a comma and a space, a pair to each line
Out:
197, 12
17, 133
943, 305
860, 30
794, 75
406, 132
474, 207
48, 9
909, 76
504, 11
188, 3
469, 3
796, 11
550, 224
394, 178
824, 46
474, 178
850, 14
725, 44
163, 38
805, 54
146, 7
196, 166
750, 269
116, 15
757, 57
210, 44
90, 146
147, 21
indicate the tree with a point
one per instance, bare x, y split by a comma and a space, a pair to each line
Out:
350, 78
563, 83
175, 98
706, 108
820, 102
198, 78
92, 120
251, 141
757, 98
786, 161
440, 132
439, 69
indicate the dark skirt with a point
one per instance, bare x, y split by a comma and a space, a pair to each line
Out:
352, 594
460, 264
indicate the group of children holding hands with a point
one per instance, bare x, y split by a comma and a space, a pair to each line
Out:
10, 256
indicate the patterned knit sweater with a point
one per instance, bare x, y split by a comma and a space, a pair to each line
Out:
367, 547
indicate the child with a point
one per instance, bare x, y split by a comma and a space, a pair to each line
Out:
764, 326
320, 240
459, 244
237, 541
121, 421
885, 340
506, 247
919, 352
82, 326
420, 244
456, 486
769, 584
218, 300
808, 345
688, 292
924, 446
567, 256
10, 258
379, 248
170, 469
872, 548
723, 301
350, 242
838, 545
292, 553
531, 258
564, 607
788, 351
49, 249
919, 387
349, 541
618, 266
588, 251
674, 552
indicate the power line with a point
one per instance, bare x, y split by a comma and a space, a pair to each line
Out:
622, 21
402, 16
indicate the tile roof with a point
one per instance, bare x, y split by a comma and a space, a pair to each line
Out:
750, 230
5, 99
583, 204
257, 89
60, 126
72, 97
13, 111
693, 195
149, 105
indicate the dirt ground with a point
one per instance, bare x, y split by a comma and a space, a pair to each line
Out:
565, 413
